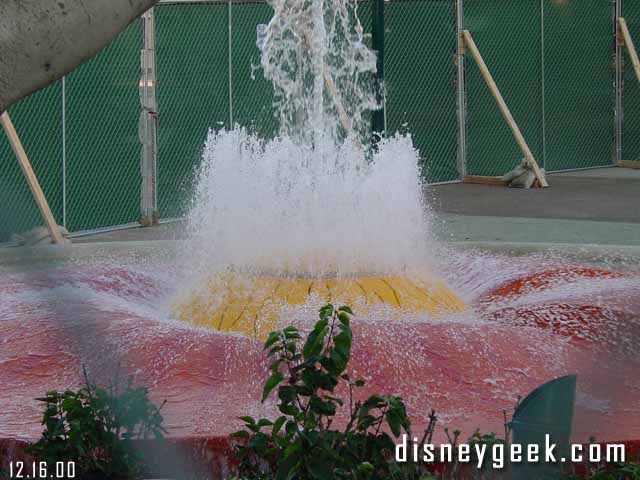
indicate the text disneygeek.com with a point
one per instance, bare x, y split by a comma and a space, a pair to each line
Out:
499, 453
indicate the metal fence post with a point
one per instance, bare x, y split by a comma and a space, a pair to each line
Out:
461, 92
64, 151
377, 40
619, 84
148, 122
230, 60
543, 85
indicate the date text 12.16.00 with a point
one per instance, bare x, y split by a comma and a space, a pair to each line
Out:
42, 470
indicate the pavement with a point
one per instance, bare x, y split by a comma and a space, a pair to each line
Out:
605, 194
598, 207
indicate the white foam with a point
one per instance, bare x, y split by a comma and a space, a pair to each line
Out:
281, 205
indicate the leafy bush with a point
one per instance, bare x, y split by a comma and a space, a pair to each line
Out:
629, 470
621, 471
95, 428
301, 443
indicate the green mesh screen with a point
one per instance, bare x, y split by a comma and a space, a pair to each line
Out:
252, 94
37, 120
193, 93
508, 35
103, 149
631, 133
420, 79
579, 79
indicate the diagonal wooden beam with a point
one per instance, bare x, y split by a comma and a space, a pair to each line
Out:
628, 41
629, 164
31, 178
469, 43
333, 91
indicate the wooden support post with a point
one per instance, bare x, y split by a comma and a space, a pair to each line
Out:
31, 178
504, 109
633, 54
628, 41
333, 91
481, 180
342, 114
629, 164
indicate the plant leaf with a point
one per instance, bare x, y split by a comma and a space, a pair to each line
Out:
344, 319
271, 339
315, 340
271, 383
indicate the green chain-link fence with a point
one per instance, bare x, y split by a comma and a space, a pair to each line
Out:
252, 99
420, 80
579, 39
193, 86
102, 145
508, 35
81, 136
552, 59
207, 62
630, 136
38, 121
553, 62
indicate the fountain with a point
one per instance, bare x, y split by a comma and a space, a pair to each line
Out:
313, 213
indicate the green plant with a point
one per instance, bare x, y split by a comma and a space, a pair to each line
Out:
95, 428
301, 443
618, 471
629, 470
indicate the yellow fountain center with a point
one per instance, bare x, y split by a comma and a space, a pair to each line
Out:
251, 304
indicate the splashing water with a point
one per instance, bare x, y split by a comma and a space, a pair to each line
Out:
322, 72
278, 205
313, 199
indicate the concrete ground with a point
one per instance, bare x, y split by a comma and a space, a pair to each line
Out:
600, 207
605, 194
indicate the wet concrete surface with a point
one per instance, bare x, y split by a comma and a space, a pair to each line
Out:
600, 207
